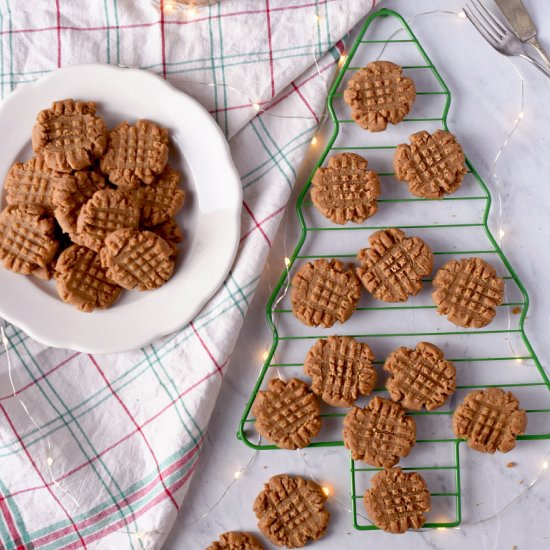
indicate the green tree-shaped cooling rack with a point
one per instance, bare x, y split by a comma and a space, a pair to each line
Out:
498, 355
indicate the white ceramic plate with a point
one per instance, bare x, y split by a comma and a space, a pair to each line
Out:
210, 218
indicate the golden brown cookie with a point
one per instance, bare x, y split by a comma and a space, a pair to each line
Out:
397, 500
137, 259
32, 182
235, 540
468, 292
45, 273
345, 190
433, 165
378, 94
393, 267
287, 414
69, 135
420, 377
380, 434
341, 369
82, 281
324, 292
490, 420
70, 193
107, 211
161, 200
27, 238
171, 232
135, 154
291, 511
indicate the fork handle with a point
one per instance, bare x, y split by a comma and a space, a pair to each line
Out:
540, 50
538, 65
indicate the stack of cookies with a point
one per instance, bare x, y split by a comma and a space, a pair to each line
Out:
94, 209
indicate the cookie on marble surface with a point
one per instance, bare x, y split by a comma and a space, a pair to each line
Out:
137, 259
490, 420
397, 500
324, 292
420, 377
236, 540
341, 370
135, 154
291, 511
82, 281
345, 190
378, 94
468, 292
433, 165
69, 135
107, 211
287, 414
393, 267
27, 238
379, 434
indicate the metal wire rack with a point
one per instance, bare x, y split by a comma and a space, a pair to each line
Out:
499, 355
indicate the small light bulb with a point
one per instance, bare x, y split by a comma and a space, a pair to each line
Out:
49, 461
545, 465
314, 141
237, 474
316, 18
326, 490
518, 359
256, 106
521, 115
287, 261
501, 233
462, 15
441, 528
265, 355
342, 59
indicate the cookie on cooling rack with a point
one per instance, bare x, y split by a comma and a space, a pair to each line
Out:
490, 420
135, 154
433, 165
345, 190
107, 211
420, 377
137, 259
341, 370
27, 238
397, 500
82, 281
393, 267
287, 414
291, 511
324, 292
380, 434
236, 540
378, 94
468, 292
69, 135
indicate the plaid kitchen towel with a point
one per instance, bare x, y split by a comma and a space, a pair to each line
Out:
98, 451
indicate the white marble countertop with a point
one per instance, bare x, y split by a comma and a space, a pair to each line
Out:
499, 510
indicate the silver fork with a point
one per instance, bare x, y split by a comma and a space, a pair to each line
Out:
498, 36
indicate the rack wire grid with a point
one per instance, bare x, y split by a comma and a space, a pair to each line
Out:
497, 355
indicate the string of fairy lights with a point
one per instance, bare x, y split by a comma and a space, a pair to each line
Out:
171, 7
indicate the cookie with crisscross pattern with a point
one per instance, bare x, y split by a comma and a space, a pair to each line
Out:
397, 500
468, 292
393, 267
137, 259
135, 154
341, 369
107, 211
32, 182
287, 414
291, 511
345, 190
235, 540
378, 94
27, 238
171, 232
324, 292
82, 281
420, 377
69, 135
490, 420
380, 434
432, 165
